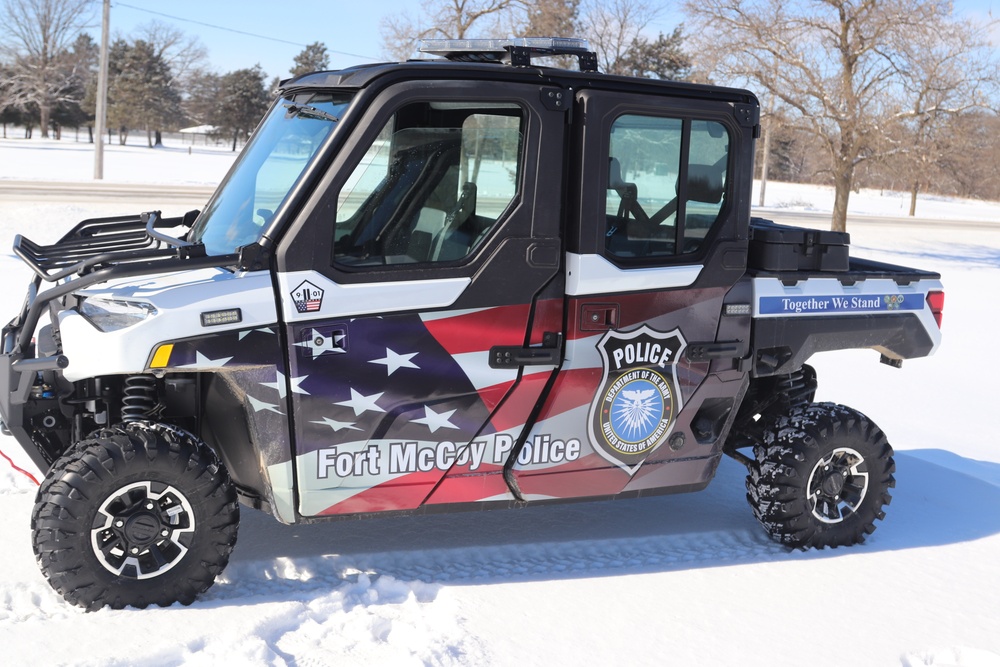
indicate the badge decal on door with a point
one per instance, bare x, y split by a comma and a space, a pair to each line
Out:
307, 297
634, 409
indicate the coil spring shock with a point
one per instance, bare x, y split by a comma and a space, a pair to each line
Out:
798, 387
138, 397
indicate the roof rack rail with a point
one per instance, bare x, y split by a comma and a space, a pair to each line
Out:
518, 51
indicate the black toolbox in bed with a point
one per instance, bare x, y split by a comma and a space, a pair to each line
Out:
775, 247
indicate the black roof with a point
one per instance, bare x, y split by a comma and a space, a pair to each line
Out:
362, 75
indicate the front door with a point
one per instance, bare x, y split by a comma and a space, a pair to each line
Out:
421, 289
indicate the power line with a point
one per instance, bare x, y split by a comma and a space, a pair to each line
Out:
238, 32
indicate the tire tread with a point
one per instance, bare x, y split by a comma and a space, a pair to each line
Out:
778, 476
67, 500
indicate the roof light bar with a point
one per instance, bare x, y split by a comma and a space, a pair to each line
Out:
517, 50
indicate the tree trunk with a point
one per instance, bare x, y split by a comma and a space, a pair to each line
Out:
914, 189
158, 138
90, 134
236, 134
842, 192
149, 137
44, 111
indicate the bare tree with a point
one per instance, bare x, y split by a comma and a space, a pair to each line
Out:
37, 35
613, 29
8, 109
972, 167
949, 71
181, 52
837, 64
445, 19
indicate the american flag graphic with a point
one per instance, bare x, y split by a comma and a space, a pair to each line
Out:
397, 411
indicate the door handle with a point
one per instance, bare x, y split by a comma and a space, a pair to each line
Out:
598, 316
548, 354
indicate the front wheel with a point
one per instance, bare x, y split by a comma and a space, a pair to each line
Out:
821, 477
137, 515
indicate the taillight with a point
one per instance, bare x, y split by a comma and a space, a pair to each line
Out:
935, 301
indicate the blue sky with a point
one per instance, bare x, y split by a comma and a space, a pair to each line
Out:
349, 28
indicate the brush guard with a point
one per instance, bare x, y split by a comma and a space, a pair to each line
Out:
93, 252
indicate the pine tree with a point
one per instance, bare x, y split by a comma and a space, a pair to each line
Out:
661, 58
313, 58
242, 103
141, 91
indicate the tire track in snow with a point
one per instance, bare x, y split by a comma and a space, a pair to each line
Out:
498, 563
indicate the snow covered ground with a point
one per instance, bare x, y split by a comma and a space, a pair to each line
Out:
676, 580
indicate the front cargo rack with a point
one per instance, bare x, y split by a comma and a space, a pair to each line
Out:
95, 251
94, 243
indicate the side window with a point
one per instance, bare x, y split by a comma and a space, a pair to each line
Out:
432, 185
666, 185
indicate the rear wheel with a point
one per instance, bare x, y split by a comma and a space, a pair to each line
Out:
136, 515
821, 477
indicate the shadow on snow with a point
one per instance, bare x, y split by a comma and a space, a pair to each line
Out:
934, 504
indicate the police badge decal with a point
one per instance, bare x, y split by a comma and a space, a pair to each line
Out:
634, 409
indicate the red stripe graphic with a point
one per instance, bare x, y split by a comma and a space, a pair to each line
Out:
481, 330
404, 492
462, 486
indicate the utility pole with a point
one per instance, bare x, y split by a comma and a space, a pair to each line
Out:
102, 95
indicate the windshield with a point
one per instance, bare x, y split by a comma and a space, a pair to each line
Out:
267, 170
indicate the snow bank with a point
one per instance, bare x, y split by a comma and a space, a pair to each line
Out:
66, 160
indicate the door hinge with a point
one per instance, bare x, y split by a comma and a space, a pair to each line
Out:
747, 115
549, 353
556, 99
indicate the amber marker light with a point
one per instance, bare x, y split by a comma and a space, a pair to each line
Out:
162, 356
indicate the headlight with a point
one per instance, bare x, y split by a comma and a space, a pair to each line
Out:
112, 315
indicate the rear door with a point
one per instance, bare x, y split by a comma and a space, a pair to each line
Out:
640, 403
420, 290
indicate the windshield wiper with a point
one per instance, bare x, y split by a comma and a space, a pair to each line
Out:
309, 112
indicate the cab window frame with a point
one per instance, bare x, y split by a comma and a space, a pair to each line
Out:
721, 115
480, 105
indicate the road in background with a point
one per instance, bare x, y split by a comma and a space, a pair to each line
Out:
148, 196
62, 192
818, 220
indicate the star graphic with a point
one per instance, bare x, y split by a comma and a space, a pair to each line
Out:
360, 403
261, 405
319, 344
393, 362
244, 334
279, 384
201, 361
336, 425
434, 421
